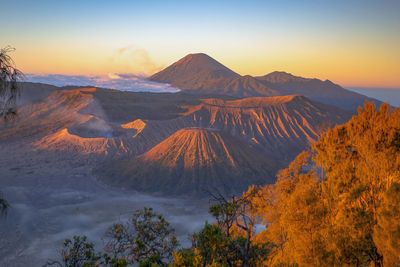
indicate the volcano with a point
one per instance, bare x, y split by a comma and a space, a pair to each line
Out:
193, 68
173, 143
193, 161
200, 74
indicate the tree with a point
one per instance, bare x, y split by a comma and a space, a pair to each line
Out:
361, 162
339, 203
3, 205
9, 88
387, 231
146, 238
213, 246
237, 221
294, 213
187, 257
77, 252
230, 241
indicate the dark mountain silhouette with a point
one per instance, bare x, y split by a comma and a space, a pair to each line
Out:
199, 73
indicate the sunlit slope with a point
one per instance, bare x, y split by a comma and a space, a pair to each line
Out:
75, 121
57, 111
108, 122
192, 161
279, 126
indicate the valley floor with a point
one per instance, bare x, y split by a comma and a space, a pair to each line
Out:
54, 197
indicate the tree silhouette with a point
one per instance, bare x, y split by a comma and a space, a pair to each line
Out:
231, 240
3, 205
9, 87
146, 239
9, 91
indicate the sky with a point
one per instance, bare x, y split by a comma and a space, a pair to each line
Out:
355, 43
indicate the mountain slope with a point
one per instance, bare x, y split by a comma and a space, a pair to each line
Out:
280, 126
322, 91
193, 68
231, 139
57, 111
95, 121
191, 161
201, 78
279, 77
242, 86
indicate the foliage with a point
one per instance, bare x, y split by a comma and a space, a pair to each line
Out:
9, 89
212, 245
228, 242
338, 204
77, 253
147, 239
187, 257
387, 231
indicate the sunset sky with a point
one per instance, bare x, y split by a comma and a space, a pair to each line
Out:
353, 43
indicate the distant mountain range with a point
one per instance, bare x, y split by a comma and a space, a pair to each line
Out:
201, 74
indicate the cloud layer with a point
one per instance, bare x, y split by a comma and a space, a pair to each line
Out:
119, 81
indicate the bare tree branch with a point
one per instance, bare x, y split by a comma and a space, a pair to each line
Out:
9, 87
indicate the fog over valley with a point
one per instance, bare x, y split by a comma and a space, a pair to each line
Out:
54, 197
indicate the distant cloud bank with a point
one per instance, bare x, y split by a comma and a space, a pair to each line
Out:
119, 81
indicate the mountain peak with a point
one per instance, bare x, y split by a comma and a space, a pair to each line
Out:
281, 77
193, 67
195, 56
200, 61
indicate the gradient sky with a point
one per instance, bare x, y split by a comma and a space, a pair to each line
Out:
353, 43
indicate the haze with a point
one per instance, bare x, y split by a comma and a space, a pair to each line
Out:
353, 43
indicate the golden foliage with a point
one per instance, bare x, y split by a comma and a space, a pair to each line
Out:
339, 204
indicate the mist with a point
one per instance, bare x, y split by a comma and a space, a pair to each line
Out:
118, 81
44, 213
54, 196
